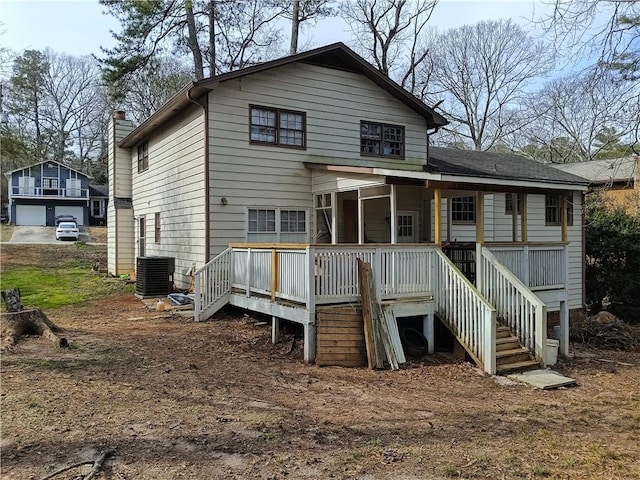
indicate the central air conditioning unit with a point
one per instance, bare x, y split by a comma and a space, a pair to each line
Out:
154, 276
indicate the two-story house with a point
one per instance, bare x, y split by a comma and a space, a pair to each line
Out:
267, 183
40, 192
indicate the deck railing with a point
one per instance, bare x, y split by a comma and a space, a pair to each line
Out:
49, 192
538, 266
470, 316
519, 308
399, 271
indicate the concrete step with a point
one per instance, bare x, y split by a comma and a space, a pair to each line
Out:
507, 368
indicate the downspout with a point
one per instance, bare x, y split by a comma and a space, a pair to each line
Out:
207, 203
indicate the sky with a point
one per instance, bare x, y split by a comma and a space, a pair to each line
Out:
78, 27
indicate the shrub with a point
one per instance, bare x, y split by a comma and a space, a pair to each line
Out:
612, 244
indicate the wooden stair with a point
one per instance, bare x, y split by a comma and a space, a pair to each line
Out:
511, 356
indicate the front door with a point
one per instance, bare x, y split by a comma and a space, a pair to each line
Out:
407, 226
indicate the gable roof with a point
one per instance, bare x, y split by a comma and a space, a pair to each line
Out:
336, 55
49, 161
603, 171
98, 190
507, 166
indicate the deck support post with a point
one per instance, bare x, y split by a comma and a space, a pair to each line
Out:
275, 329
564, 328
428, 331
309, 342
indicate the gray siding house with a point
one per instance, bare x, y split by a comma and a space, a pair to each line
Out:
40, 192
265, 185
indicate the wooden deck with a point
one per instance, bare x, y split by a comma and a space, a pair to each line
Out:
295, 282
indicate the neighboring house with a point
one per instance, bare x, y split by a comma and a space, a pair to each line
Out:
99, 198
617, 178
40, 192
265, 185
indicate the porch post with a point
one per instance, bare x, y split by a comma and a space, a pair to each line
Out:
563, 217
310, 325
394, 215
479, 237
448, 219
334, 218
437, 216
514, 217
360, 219
524, 220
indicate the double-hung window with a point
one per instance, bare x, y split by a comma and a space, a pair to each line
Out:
381, 140
552, 205
273, 126
463, 210
143, 157
508, 204
277, 225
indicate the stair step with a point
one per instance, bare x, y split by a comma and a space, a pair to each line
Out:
513, 351
507, 343
517, 367
514, 355
502, 332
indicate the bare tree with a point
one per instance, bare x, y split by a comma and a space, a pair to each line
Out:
150, 87
576, 118
386, 29
247, 33
301, 11
479, 76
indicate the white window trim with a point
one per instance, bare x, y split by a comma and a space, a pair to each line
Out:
277, 233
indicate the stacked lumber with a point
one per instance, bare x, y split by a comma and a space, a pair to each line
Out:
340, 336
380, 329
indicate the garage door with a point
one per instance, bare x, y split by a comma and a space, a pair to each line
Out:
77, 212
31, 215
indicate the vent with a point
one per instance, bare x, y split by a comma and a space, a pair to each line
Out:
154, 276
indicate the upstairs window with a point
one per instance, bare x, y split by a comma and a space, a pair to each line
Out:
463, 210
381, 140
272, 126
143, 157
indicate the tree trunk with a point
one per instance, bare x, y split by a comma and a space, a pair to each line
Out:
295, 27
193, 41
12, 300
212, 38
28, 322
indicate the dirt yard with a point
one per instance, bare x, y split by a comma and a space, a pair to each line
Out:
216, 400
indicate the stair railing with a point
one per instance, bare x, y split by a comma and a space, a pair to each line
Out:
517, 306
469, 315
212, 286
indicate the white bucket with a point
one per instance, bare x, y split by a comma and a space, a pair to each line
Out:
551, 352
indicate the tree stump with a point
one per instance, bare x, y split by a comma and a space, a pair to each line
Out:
14, 325
12, 300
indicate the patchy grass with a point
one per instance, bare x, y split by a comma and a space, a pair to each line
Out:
55, 276
6, 231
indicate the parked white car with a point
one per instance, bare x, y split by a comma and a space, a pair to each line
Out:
67, 230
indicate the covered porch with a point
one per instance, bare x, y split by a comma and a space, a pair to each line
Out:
476, 255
